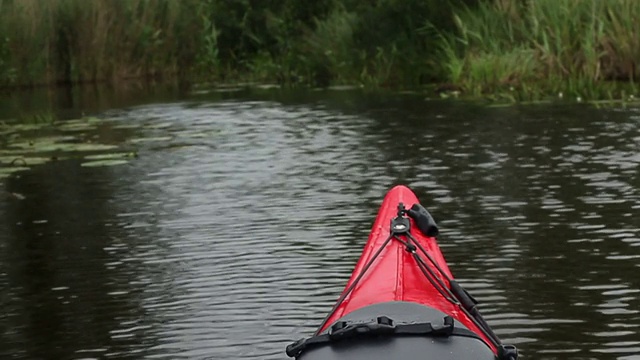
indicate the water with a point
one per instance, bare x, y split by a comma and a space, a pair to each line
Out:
233, 232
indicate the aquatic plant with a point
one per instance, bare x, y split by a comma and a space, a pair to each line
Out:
586, 48
65, 41
69, 41
517, 49
39, 138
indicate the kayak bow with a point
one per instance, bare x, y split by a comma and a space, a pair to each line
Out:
402, 301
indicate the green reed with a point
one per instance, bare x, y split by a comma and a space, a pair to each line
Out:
65, 41
318, 43
585, 49
520, 49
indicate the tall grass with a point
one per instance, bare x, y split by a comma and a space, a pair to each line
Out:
377, 43
74, 40
318, 42
524, 48
583, 48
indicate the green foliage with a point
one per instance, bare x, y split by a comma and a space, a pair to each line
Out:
39, 118
7, 72
581, 48
329, 51
585, 49
380, 43
77, 40
319, 42
73, 40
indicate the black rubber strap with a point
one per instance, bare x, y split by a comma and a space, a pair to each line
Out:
383, 326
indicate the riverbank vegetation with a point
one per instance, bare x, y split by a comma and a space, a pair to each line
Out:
512, 49
580, 48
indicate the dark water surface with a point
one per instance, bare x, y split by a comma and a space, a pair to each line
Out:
235, 230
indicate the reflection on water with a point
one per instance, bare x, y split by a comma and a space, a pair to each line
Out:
238, 225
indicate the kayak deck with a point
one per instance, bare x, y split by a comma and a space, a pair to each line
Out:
394, 274
402, 300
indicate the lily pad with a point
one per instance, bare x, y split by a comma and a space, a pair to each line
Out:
344, 87
201, 92
77, 127
107, 162
6, 160
199, 134
92, 119
22, 127
49, 144
195, 135
159, 126
151, 139
227, 89
111, 156
7, 171
37, 142
17, 196
23, 161
267, 86
6, 131
83, 124
126, 126
500, 105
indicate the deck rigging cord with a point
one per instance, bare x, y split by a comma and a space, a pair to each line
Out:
454, 293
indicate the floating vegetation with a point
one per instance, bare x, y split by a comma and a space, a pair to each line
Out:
42, 139
17, 196
111, 159
23, 161
267, 86
13, 128
40, 118
90, 141
158, 126
151, 139
108, 162
57, 144
7, 171
125, 126
196, 135
112, 156
77, 125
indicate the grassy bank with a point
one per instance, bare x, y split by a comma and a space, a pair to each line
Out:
583, 49
288, 41
514, 49
68, 41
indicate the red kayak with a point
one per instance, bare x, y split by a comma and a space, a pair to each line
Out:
402, 301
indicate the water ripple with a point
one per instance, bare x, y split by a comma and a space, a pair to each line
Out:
241, 221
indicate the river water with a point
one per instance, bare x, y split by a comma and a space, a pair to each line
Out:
236, 227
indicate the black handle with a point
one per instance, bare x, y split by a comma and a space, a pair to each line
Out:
424, 220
